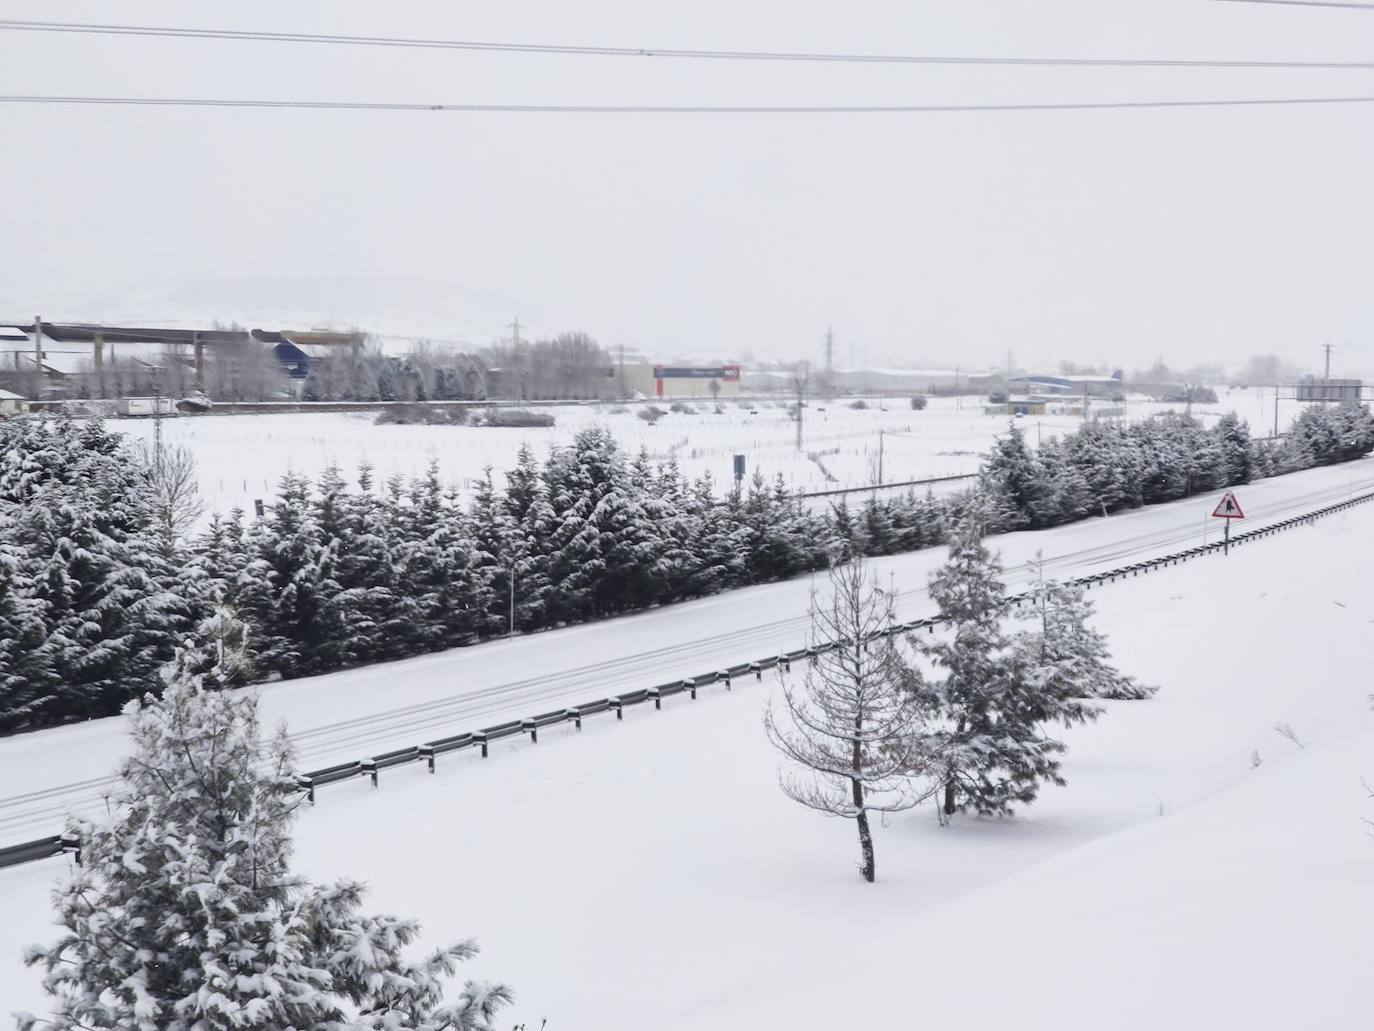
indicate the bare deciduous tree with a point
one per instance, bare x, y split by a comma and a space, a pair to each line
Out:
175, 491
851, 726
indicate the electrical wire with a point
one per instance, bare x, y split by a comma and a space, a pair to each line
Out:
671, 109
170, 32
1304, 3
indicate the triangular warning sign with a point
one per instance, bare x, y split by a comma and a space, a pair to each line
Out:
1228, 508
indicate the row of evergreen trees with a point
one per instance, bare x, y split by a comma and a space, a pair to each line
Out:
1108, 467
96, 590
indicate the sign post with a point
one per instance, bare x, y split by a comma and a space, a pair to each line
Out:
739, 470
1228, 508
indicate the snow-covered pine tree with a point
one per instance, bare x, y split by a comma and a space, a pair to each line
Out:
993, 751
684, 553
1108, 464
26, 676
536, 597
1063, 653
633, 520
495, 540
799, 533
579, 477
1011, 475
185, 915
1070, 499
846, 538
717, 541
94, 569
438, 565
523, 484
1237, 449
852, 728
295, 566
876, 525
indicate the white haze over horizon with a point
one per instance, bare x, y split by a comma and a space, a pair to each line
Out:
1110, 237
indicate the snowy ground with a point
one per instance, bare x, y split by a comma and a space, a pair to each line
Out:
241, 457
650, 874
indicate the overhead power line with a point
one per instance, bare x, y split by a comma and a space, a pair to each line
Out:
682, 109
330, 39
1304, 3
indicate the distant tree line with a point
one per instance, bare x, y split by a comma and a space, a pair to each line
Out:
97, 589
569, 365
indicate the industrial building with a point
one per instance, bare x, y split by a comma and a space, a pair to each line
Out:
1310, 388
679, 381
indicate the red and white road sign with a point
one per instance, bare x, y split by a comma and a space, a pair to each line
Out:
1228, 508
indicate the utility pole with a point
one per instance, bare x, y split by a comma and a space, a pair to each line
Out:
1326, 376
515, 330
799, 380
623, 395
958, 393
511, 631
880, 457
157, 418
37, 357
1276, 409
829, 363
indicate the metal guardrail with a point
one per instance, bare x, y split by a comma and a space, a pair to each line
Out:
429, 751
886, 486
43, 848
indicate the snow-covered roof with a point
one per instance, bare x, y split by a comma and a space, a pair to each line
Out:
320, 350
8, 395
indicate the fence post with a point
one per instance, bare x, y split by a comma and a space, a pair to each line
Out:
426, 752
618, 706
307, 784
369, 766
481, 739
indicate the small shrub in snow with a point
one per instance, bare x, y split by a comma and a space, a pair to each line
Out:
1286, 731
419, 414
651, 414
918, 403
517, 418
858, 405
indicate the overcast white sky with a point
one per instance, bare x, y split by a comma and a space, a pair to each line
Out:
1103, 236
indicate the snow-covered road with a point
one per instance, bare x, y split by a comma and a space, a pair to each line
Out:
342, 716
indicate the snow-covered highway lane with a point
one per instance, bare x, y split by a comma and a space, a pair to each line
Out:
343, 716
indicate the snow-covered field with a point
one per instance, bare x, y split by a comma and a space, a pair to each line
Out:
241, 457
650, 873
